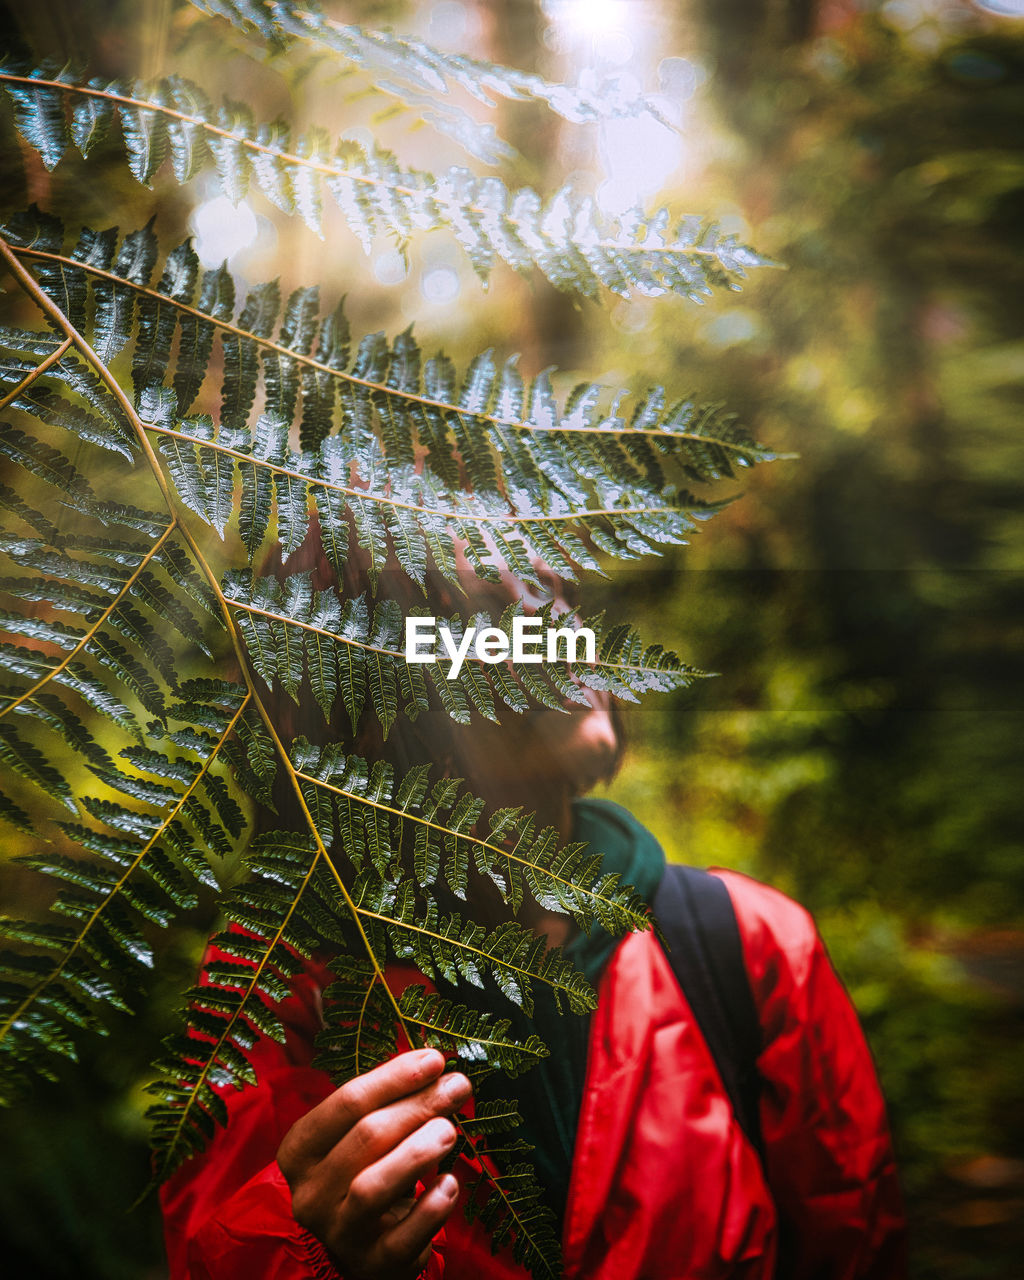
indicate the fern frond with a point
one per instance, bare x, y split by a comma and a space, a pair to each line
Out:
124, 867
294, 634
288, 908
512, 1207
249, 973
422, 78
356, 803
397, 920
143, 874
279, 917
360, 1031
109, 605
567, 238
410, 506
119, 597
506, 434
559, 478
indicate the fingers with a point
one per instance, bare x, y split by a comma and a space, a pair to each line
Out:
351, 1161
377, 1186
320, 1129
408, 1243
380, 1131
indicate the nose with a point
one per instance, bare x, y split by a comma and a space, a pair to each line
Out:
596, 735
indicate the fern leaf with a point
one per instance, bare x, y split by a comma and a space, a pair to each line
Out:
422, 79
39, 113
579, 249
516, 1214
290, 635
387, 391
257, 958
560, 468
26, 760
560, 878
143, 873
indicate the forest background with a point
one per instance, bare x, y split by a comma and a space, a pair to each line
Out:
861, 747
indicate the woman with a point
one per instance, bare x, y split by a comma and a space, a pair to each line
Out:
636, 1143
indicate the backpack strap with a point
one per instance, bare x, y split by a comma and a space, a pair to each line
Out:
701, 938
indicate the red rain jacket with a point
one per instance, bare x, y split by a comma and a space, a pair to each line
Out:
664, 1184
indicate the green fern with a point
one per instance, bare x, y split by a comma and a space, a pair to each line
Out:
346, 652
543, 504
294, 902
567, 238
385, 386
421, 76
136, 727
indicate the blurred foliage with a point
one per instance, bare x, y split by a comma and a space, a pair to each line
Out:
861, 748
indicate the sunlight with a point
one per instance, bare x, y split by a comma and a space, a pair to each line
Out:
589, 17
638, 156
222, 229
440, 285
610, 44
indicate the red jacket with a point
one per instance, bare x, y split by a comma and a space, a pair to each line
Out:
664, 1184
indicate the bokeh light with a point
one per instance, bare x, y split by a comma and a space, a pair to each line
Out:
440, 285
223, 230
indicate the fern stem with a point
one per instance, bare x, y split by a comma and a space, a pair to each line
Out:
366, 495
37, 372
95, 626
380, 388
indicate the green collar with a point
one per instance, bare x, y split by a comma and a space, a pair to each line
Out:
629, 851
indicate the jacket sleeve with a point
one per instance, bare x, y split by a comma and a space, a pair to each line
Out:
828, 1154
227, 1211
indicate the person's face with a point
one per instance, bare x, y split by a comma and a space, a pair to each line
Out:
543, 748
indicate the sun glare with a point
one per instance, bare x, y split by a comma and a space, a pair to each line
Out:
222, 229
638, 156
580, 18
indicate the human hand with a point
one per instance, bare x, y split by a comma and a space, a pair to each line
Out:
353, 1161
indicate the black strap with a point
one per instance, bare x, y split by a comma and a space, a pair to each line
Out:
702, 941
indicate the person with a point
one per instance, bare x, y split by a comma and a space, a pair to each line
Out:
637, 1146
